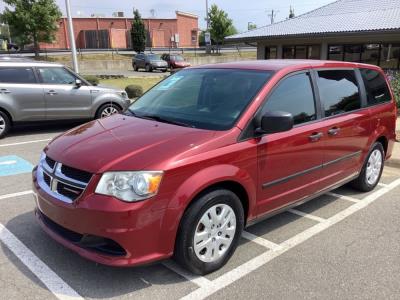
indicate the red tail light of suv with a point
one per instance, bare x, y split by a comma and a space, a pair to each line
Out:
208, 151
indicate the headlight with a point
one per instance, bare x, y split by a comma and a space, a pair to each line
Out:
123, 94
130, 186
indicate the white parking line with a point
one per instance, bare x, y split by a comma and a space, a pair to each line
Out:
24, 143
50, 279
305, 215
246, 268
260, 241
198, 280
351, 199
15, 195
382, 184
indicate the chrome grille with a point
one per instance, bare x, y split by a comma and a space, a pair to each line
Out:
60, 181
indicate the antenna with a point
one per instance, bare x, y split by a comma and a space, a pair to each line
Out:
272, 15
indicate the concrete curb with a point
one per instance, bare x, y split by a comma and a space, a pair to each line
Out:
393, 162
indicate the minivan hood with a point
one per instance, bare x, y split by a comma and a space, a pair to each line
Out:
124, 143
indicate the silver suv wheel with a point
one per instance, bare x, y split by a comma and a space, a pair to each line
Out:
214, 233
108, 111
2, 124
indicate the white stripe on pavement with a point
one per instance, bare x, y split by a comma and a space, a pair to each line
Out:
24, 143
49, 278
343, 197
261, 241
198, 280
246, 268
305, 215
15, 195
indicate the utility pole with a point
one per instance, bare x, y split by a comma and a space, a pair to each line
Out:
208, 46
272, 15
71, 37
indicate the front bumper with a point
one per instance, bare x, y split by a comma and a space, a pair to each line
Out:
103, 229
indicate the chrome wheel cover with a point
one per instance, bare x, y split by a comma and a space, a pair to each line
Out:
2, 124
108, 111
214, 233
374, 166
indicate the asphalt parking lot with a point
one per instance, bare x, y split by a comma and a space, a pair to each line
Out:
344, 245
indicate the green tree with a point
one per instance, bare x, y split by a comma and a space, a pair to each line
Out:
221, 25
138, 33
34, 21
251, 26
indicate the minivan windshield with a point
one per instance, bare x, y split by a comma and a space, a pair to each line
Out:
210, 99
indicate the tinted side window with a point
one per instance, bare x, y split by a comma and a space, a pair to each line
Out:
339, 91
376, 86
294, 95
56, 76
17, 75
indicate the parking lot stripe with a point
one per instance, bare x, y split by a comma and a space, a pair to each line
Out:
382, 184
246, 268
198, 280
49, 278
305, 215
260, 241
24, 143
16, 194
343, 197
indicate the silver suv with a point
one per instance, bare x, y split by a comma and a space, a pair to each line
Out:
41, 91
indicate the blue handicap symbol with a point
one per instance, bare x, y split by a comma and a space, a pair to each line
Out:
13, 165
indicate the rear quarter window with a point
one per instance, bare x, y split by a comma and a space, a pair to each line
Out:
17, 75
376, 87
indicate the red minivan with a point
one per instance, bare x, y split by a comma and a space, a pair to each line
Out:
209, 151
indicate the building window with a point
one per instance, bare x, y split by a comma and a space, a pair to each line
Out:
370, 54
271, 52
194, 36
314, 52
301, 52
352, 53
335, 52
289, 52
390, 55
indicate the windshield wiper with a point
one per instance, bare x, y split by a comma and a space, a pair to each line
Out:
164, 120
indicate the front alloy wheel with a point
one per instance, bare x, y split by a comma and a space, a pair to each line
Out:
107, 110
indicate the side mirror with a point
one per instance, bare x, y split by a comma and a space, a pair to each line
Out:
275, 121
78, 83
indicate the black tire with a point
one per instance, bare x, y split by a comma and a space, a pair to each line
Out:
135, 68
361, 182
5, 124
101, 110
149, 68
164, 70
184, 247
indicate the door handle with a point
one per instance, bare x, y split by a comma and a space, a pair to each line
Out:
316, 136
52, 92
333, 131
5, 91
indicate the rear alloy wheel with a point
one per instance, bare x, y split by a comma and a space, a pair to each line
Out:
210, 231
107, 110
135, 68
5, 124
372, 169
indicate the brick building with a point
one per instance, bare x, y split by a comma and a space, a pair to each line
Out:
105, 33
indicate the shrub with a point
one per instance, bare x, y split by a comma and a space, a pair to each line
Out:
134, 91
395, 81
92, 79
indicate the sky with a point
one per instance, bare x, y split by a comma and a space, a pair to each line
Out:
241, 11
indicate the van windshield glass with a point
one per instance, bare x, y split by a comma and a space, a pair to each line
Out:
210, 99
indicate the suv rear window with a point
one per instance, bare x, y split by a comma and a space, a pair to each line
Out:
339, 91
17, 75
376, 86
